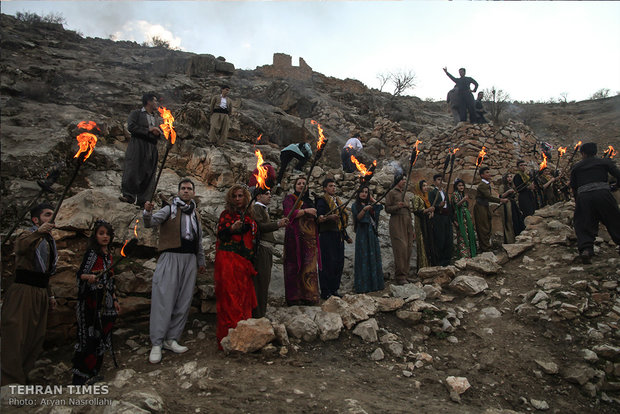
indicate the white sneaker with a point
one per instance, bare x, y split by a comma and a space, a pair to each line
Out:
155, 355
172, 345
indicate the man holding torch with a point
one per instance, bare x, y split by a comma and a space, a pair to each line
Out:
442, 222
180, 242
141, 156
594, 201
401, 231
25, 307
482, 212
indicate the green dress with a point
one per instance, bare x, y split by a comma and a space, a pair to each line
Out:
465, 235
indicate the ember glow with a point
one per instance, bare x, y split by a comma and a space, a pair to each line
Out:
87, 142
88, 125
322, 140
481, 156
561, 151
261, 177
454, 151
361, 167
543, 164
259, 137
167, 127
417, 151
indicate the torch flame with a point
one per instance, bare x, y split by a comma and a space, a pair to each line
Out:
561, 151
322, 139
87, 142
261, 177
135, 228
259, 137
577, 145
167, 125
454, 151
417, 151
361, 167
123, 248
481, 156
610, 152
543, 164
88, 125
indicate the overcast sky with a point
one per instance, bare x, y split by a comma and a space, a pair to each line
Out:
532, 50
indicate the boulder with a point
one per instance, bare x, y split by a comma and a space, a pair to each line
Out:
468, 285
483, 265
409, 292
350, 315
516, 249
439, 275
389, 304
249, 336
329, 325
302, 327
367, 330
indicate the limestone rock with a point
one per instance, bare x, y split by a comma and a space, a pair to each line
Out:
377, 355
367, 330
362, 304
389, 304
302, 327
540, 405
432, 292
483, 265
578, 374
329, 325
409, 316
607, 351
440, 275
122, 377
489, 313
279, 330
350, 315
148, 399
409, 291
249, 336
468, 285
516, 249
547, 366
457, 384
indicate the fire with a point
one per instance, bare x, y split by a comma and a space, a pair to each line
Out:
350, 146
87, 125
610, 152
543, 164
259, 137
123, 248
481, 156
87, 142
417, 151
561, 151
454, 151
135, 228
322, 139
577, 145
167, 127
261, 177
361, 167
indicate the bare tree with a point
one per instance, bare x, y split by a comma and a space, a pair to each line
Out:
402, 80
600, 94
383, 78
564, 96
498, 100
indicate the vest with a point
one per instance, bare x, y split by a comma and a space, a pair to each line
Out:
170, 235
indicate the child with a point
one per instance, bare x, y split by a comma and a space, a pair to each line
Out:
97, 306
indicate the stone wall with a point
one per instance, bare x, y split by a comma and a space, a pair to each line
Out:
282, 67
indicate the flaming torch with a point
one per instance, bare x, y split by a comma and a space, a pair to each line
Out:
171, 136
365, 176
399, 177
610, 152
87, 142
452, 157
479, 160
561, 152
412, 160
320, 146
128, 249
570, 160
261, 181
446, 162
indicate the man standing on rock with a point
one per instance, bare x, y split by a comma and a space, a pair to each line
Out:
466, 97
221, 109
482, 212
263, 259
401, 231
26, 304
594, 201
180, 244
442, 223
141, 155
524, 183
332, 235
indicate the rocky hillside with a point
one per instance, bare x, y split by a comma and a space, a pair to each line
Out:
503, 321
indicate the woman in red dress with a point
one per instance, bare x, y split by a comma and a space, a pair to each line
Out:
234, 288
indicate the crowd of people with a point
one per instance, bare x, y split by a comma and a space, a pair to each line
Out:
438, 221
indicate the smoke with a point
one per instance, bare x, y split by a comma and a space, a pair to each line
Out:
142, 31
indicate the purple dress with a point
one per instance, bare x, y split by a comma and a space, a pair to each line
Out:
301, 255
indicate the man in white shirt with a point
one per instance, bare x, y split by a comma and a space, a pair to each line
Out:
353, 146
221, 109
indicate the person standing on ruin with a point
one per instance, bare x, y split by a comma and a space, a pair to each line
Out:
221, 109
332, 235
353, 146
442, 223
182, 255
466, 98
524, 184
453, 104
28, 299
482, 212
594, 202
141, 155
263, 259
401, 231
480, 111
